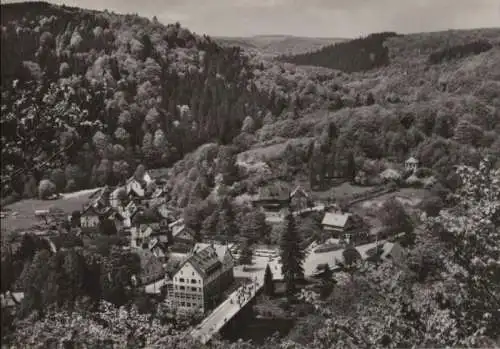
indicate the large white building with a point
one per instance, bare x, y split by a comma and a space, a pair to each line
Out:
201, 278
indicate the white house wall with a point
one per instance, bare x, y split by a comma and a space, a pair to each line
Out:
188, 273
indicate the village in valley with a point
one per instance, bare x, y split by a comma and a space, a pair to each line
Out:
166, 188
217, 278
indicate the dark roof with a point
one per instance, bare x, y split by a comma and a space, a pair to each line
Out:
96, 209
276, 191
146, 215
299, 190
155, 227
205, 261
101, 211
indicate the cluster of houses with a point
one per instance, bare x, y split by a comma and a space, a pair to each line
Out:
344, 226
138, 210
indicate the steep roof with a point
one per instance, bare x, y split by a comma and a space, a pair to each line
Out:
114, 193
336, 219
147, 229
204, 259
177, 229
390, 174
299, 190
97, 209
412, 160
221, 250
176, 223
145, 179
274, 191
146, 215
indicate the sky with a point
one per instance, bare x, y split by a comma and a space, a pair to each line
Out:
313, 18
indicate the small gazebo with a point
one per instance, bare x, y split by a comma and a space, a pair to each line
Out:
411, 164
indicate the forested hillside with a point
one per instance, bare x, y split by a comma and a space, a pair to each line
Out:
350, 56
87, 94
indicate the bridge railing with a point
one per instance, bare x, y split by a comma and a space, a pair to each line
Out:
201, 333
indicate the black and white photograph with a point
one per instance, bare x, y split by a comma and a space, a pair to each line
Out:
250, 174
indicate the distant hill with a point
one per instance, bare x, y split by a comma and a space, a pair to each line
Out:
349, 56
275, 45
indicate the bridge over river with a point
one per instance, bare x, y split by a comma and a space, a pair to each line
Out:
228, 309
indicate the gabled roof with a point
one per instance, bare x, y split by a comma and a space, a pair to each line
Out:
204, 259
96, 193
299, 190
147, 229
11, 299
157, 193
146, 178
412, 160
219, 249
116, 215
178, 229
94, 209
276, 191
336, 219
390, 174
114, 193
176, 223
164, 211
146, 215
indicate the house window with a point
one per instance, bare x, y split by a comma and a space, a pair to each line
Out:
194, 289
183, 304
193, 281
181, 280
193, 273
182, 288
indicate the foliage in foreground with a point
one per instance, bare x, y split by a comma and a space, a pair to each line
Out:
446, 293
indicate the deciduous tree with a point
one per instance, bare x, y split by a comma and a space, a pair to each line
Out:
395, 218
46, 188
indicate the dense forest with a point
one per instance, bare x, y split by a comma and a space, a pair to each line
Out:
459, 51
351, 56
87, 94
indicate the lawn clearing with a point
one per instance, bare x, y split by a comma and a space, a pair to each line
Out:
21, 215
409, 197
271, 152
342, 191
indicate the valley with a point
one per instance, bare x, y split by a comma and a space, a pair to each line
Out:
357, 179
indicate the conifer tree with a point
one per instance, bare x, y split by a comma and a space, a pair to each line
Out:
268, 282
246, 254
350, 167
292, 255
